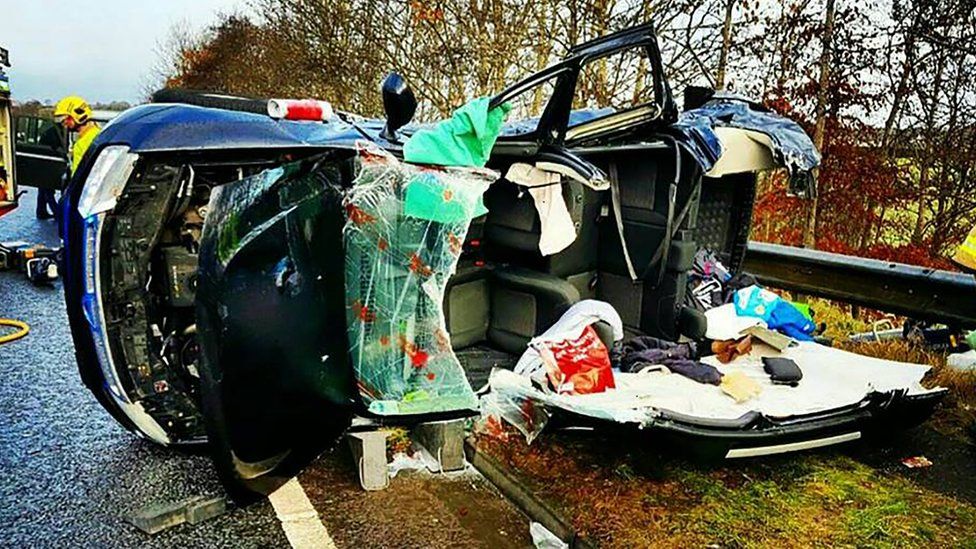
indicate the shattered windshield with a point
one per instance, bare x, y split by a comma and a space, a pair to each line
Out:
403, 236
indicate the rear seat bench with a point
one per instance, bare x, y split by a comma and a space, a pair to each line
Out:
490, 309
504, 306
505, 292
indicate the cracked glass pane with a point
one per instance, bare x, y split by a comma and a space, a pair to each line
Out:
405, 226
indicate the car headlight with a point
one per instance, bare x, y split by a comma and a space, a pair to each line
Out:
106, 180
91, 303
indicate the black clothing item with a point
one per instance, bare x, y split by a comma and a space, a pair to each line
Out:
710, 284
705, 286
782, 370
694, 370
680, 358
661, 348
704, 294
45, 201
736, 283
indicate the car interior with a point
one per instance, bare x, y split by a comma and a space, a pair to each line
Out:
505, 291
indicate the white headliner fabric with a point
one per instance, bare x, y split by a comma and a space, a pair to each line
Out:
832, 378
723, 323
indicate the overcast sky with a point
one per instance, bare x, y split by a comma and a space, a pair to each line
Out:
102, 50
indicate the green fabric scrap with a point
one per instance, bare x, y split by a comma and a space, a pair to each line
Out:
466, 139
431, 199
804, 309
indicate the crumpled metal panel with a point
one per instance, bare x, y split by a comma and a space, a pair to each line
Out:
405, 225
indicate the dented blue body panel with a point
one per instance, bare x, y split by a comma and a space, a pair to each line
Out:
158, 127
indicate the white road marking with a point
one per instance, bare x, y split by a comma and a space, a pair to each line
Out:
301, 522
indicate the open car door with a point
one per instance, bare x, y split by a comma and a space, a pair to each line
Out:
40, 150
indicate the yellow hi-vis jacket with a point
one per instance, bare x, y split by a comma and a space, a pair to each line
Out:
966, 254
85, 139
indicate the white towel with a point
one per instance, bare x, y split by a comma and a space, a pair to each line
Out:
546, 190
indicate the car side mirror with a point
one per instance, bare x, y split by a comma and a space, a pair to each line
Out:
399, 103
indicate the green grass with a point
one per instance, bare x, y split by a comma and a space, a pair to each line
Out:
824, 499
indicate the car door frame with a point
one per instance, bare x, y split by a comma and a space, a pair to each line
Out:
39, 165
554, 122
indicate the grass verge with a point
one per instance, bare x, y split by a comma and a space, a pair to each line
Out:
619, 496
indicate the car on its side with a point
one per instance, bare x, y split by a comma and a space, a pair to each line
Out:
207, 293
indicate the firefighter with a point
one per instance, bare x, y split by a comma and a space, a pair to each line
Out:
74, 115
965, 256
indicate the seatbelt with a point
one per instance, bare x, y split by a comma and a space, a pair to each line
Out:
619, 218
672, 225
663, 250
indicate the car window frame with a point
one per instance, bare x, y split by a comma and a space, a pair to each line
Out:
553, 124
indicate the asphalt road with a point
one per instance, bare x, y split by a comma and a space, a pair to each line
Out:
70, 475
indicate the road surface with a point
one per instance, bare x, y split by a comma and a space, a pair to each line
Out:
70, 476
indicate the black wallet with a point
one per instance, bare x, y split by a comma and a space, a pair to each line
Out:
782, 370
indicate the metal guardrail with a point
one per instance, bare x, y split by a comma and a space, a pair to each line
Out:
916, 292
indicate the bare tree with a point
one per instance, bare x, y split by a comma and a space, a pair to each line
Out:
723, 57
810, 229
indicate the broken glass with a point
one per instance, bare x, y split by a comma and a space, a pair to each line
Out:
405, 226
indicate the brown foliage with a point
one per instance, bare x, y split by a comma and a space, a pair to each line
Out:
899, 144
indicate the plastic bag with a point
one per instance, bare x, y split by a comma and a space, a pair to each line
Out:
582, 363
542, 538
510, 400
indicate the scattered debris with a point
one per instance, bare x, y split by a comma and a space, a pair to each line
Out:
916, 462
407, 462
158, 517
962, 361
542, 538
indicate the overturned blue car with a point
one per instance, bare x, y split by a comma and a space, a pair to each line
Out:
255, 274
